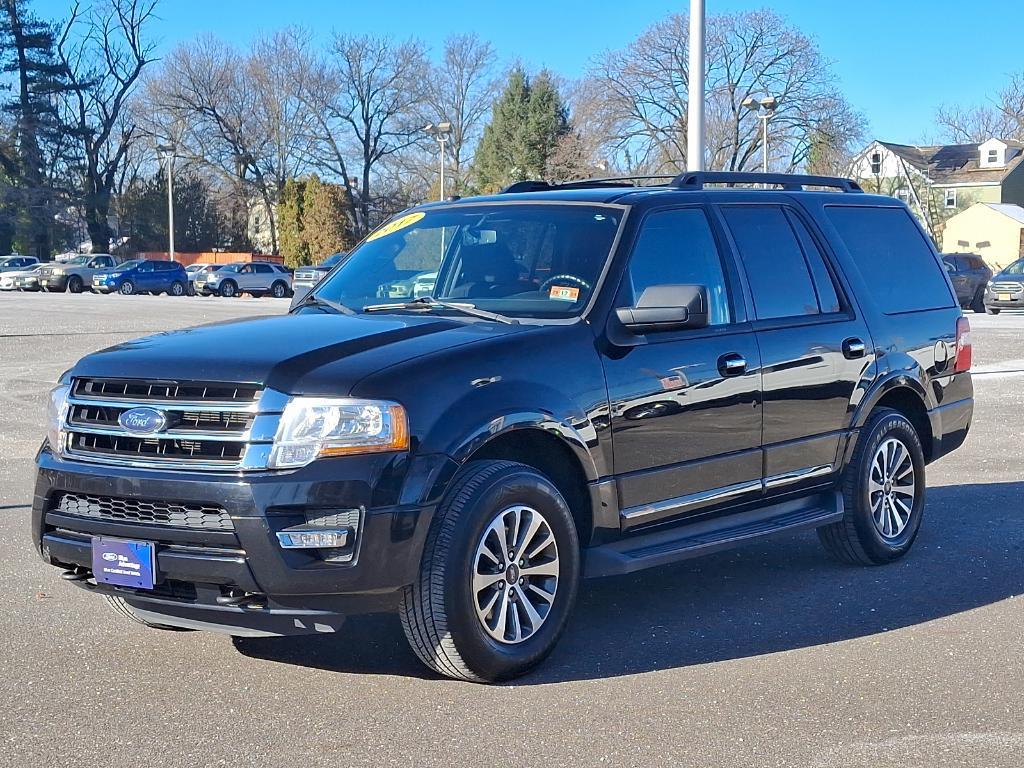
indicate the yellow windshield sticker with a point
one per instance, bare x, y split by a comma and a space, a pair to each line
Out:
393, 226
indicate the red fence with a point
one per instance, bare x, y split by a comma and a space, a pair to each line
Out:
211, 257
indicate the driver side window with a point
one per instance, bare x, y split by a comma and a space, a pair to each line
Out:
677, 247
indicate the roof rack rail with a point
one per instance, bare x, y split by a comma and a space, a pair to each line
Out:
536, 185
789, 182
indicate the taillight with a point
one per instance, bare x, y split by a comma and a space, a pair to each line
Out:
963, 346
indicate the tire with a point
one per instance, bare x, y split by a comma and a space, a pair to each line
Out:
190, 290
991, 311
439, 613
857, 538
228, 289
75, 284
978, 304
127, 288
177, 289
119, 605
279, 290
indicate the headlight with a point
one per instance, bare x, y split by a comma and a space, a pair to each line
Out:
311, 427
56, 411
57, 271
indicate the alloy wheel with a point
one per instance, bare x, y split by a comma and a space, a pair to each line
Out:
891, 487
515, 574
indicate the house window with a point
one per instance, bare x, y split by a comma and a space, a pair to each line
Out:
876, 163
983, 244
993, 156
903, 194
951, 198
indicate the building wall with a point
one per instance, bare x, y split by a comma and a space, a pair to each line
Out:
1013, 186
978, 225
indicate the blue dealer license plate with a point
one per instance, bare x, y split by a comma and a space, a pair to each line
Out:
123, 562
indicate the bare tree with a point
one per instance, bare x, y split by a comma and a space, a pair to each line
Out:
749, 54
1001, 118
102, 51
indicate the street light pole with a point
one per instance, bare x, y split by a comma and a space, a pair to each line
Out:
695, 98
441, 133
765, 110
167, 150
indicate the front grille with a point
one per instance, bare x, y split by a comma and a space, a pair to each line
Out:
1007, 287
306, 274
204, 425
207, 517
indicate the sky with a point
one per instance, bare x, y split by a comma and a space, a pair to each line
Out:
898, 61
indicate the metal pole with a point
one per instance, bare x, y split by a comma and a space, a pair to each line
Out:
170, 203
695, 106
764, 141
440, 143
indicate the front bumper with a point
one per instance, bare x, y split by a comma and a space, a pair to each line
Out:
1004, 299
196, 570
54, 282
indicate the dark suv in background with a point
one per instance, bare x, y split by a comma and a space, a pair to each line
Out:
970, 275
604, 377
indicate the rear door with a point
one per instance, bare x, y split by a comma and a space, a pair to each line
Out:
263, 276
814, 342
685, 405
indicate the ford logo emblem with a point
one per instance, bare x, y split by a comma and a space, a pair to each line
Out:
142, 421
110, 556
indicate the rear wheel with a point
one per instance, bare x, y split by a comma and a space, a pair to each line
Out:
75, 284
127, 288
883, 493
119, 605
279, 290
228, 289
498, 578
978, 304
177, 289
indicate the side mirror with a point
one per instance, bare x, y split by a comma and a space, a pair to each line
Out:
666, 308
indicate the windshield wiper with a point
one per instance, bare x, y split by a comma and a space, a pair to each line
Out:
429, 302
314, 300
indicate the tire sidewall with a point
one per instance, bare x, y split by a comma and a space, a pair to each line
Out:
176, 289
75, 284
228, 289
890, 424
487, 657
278, 290
127, 288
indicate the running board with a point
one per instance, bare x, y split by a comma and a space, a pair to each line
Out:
647, 550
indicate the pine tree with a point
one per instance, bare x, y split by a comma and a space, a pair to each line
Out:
526, 123
291, 237
324, 219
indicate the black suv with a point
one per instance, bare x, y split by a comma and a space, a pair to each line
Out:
970, 275
605, 377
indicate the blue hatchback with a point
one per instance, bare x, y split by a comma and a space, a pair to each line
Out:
143, 276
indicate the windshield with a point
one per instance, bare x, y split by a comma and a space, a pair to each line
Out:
78, 260
129, 264
330, 261
519, 260
230, 268
1017, 268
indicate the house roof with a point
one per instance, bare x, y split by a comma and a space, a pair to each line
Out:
956, 163
1013, 211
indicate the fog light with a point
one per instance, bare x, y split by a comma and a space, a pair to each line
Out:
296, 538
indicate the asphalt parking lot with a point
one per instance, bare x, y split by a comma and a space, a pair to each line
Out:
771, 655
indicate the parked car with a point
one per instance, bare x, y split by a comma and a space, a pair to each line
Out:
764, 359
143, 276
1006, 289
193, 270
16, 263
12, 280
257, 278
969, 274
29, 279
74, 275
305, 278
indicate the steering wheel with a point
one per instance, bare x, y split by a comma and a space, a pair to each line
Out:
572, 279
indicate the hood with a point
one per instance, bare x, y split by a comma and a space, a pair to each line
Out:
306, 353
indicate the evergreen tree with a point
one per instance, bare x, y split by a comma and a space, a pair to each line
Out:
290, 229
526, 124
324, 219
198, 226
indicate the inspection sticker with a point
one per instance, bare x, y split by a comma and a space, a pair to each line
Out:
563, 293
393, 226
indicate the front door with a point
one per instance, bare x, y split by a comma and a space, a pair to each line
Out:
685, 405
815, 346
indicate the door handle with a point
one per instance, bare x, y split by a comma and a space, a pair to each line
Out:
853, 348
732, 364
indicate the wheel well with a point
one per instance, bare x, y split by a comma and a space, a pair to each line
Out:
909, 403
551, 456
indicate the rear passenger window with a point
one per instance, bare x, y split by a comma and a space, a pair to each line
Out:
777, 271
677, 248
898, 266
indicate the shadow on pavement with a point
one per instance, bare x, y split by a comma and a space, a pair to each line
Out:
775, 595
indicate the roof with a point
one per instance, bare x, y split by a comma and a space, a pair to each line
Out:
1007, 209
956, 163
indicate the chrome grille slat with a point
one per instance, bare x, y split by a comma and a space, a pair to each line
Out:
208, 517
230, 432
1007, 287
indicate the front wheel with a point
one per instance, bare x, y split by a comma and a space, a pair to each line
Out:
991, 311
883, 493
499, 575
127, 288
75, 284
228, 289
